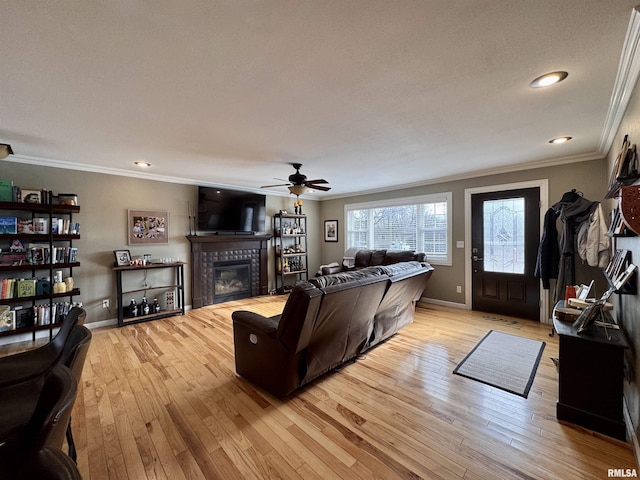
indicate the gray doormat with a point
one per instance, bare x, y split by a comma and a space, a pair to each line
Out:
504, 361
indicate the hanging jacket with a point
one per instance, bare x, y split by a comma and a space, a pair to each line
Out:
548, 259
593, 244
572, 216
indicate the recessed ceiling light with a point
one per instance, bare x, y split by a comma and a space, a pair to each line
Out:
548, 79
142, 164
558, 140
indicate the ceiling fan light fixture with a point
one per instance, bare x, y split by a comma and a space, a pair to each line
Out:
5, 150
559, 140
297, 189
548, 79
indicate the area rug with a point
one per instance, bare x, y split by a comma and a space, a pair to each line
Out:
504, 361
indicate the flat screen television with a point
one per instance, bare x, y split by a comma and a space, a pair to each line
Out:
230, 211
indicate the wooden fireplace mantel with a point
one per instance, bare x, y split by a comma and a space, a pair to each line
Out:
208, 249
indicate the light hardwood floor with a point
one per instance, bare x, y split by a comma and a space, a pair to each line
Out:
161, 400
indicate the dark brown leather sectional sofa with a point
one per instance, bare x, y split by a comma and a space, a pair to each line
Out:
372, 258
326, 322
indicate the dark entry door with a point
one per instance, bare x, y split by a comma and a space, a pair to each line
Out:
505, 236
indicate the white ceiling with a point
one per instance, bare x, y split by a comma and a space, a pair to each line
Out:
367, 94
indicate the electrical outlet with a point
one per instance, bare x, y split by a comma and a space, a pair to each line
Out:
105, 303
458, 288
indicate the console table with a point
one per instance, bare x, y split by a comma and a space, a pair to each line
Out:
591, 376
177, 284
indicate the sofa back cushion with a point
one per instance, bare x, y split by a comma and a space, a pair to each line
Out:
344, 277
401, 268
407, 283
297, 319
363, 258
344, 322
371, 258
377, 257
396, 256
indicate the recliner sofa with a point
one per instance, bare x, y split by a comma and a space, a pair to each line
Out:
327, 321
372, 258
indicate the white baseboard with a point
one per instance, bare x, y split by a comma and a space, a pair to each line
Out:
444, 303
27, 337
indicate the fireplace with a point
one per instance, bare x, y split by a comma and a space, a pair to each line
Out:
219, 263
231, 281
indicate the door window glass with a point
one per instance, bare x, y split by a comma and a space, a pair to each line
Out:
504, 235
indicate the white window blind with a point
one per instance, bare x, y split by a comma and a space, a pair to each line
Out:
422, 224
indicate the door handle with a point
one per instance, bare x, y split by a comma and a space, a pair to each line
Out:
476, 258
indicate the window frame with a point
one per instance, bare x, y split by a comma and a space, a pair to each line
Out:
446, 197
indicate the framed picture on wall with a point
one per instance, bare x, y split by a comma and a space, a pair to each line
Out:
148, 227
331, 230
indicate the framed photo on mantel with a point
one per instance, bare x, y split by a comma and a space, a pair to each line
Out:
148, 227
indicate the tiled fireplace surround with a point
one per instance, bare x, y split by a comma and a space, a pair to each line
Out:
207, 250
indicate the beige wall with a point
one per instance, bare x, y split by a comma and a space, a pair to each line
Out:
584, 176
104, 201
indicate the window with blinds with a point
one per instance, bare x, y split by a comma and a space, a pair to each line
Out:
422, 224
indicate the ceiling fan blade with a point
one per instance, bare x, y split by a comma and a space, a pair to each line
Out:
318, 187
320, 180
279, 185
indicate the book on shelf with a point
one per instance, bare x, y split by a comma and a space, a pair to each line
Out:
12, 259
26, 287
40, 225
6, 190
24, 316
57, 225
617, 264
65, 255
624, 276
39, 254
7, 319
25, 225
8, 225
7, 288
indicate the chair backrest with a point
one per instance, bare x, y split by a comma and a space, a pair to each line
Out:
76, 316
75, 350
32, 363
47, 464
48, 424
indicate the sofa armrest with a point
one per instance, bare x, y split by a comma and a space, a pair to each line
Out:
255, 321
262, 358
330, 270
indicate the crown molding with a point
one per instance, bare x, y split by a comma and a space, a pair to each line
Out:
190, 181
626, 78
552, 162
84, 167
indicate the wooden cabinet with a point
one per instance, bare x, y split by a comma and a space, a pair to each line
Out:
290, 246
43, 306
154, 280
591, 376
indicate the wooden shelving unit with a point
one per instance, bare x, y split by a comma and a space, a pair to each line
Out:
290, 250
176, 286
48, 211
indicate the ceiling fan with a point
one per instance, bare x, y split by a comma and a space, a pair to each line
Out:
298, 183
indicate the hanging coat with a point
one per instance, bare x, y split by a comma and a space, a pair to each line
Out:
593, 243
572, 215
548, 259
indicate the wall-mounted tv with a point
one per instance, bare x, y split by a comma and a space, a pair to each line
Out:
230, 211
